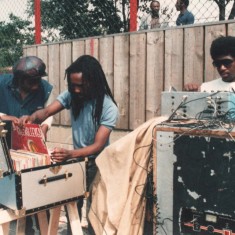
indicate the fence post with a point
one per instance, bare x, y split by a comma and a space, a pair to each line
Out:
37, 12
133, 15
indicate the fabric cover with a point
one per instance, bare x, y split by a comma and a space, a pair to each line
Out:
118, 206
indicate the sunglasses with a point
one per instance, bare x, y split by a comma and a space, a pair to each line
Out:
32, 81
225, 62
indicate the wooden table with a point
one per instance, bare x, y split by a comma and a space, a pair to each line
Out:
46, 228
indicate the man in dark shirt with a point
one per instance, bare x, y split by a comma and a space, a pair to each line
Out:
24, 91
185, 17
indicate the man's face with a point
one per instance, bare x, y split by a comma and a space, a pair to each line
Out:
29, 85
155, 7
178, 5
79, 87
226, 67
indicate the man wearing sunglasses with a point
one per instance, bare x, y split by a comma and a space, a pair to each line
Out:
223, 55
24, 91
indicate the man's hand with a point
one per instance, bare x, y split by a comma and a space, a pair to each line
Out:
24, 119
9, 118
60, 155
14, 119
28, 119
191, 87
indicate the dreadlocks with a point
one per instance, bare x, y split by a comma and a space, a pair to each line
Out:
95, 79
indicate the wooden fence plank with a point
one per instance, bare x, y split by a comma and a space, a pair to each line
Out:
42, 53
139, 65
154, 73
211, 32
92, 47
30, 51
49, 55
121, 79
193, 55
231, 29
78, 49
174, 59
137, 79
54, 73
65, 61
106, 58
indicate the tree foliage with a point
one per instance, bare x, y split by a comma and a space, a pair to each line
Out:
79, 18
13, 35
222, 8
70, 19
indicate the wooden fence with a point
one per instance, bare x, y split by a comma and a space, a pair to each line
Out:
138, 65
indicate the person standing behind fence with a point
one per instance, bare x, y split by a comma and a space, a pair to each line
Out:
151, 21
185, 17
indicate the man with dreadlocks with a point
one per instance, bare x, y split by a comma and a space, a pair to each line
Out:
93, 112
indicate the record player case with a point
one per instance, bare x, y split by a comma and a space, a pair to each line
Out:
39, 188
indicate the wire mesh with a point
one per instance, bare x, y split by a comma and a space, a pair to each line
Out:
203, 10
69, 19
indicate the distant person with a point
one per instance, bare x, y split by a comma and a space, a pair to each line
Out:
185, 17
151, 21
223, 55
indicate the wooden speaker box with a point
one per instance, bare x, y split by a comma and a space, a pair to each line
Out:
195, 181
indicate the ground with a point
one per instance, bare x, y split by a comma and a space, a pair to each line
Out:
61, 231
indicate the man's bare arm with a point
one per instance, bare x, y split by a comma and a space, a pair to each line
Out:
42, 114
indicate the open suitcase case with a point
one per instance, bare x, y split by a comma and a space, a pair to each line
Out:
39, 188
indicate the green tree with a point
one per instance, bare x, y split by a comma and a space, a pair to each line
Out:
232, 13
222, 8
78, 18
13, 35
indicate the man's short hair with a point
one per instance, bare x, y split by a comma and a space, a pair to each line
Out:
153, 2
29, 66
223, 46
185, 2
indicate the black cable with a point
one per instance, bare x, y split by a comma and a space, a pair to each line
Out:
148, 188
184, 102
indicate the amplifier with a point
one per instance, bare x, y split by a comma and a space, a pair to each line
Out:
206, 223
198, 105
195, 183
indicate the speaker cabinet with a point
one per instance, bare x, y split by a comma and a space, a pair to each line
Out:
195, 182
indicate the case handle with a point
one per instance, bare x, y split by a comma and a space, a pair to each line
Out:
46, 180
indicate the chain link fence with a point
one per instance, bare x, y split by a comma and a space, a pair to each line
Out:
203, 10
70, 19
